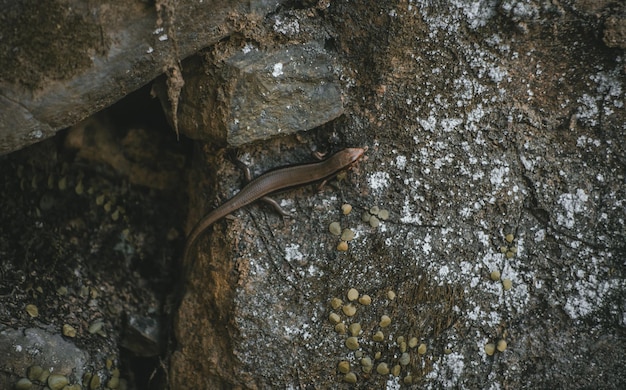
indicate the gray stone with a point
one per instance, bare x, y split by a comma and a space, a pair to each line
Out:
21, 348
62, 61
258, 95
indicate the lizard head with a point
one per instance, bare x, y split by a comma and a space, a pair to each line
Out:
349, 156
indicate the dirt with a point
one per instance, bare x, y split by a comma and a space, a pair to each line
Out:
82, 232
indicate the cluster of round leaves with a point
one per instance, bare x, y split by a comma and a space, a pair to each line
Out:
490, 348
37, 375
509, 249
377, 362
373, 217
96, 327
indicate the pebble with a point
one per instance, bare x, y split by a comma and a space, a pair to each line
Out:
23, 384
80, 188
340, 328
355, 329
349, 310
32, 310
347, 235
350, 377
353, 294
374, 222
352, 343
34, 372
100, 200
342, 246
44, 376
95, 327
69, 331
57, 382
94, 383
378, 336
343, 367
501, 345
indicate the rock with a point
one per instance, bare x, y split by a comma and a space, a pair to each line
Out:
615, 32
257, 95
62, 61
22, 348
141, 336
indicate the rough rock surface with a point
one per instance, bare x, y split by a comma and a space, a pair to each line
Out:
256, 94
28, 347
496, 143
81, 249
495, 134
63, 60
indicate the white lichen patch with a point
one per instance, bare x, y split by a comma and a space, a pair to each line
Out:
499, 176
446, 371
400, 162
608, 96
378, 180
277, 69
292, 253
588, 288
286, 26
571, 205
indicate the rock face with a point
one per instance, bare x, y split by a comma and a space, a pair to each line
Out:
61, 61
256, 94
485, 244
496, 143
37, 347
